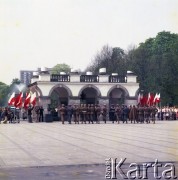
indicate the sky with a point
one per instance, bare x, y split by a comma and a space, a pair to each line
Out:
43, 33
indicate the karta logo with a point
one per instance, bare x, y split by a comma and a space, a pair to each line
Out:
121, 169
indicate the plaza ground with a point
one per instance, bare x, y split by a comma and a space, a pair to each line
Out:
56, 151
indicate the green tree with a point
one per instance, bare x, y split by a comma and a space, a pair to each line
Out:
60, 68
156, 63
4, 90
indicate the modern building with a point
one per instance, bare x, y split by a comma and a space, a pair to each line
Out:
26, 76
75, 88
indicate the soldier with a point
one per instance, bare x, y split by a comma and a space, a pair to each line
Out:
95, 113
98, 112
88, 113
62, 113
140, 114
81, 113
118, 113
30, 108
104, 112
133, 114
74, 113
84, 111
126, 113
37, 111
69, 113
147, 114
154, 110
92, 113
11, 116
112, 113
41, 110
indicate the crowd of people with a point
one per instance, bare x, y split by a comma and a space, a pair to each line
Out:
90, 113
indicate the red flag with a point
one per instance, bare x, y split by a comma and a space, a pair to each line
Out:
18, 101
154, 101
158, 98
151, 99
27, 101
33, 99
148, 99
11, 100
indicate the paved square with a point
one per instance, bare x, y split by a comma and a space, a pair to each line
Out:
49, 144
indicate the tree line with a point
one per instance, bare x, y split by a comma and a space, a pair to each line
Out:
154, 61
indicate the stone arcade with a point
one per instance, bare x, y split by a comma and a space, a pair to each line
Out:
75, 88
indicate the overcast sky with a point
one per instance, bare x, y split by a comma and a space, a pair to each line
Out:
36, 33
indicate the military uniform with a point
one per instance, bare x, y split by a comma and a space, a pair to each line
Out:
118, 113
154, 110
98, 112
133, 114
92, 113
104, 112
62, 113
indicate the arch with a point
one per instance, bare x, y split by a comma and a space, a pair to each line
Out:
89, 86
36, 89
118, 87
61, 86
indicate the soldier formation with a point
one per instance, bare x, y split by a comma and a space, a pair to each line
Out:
94, 113
91, 113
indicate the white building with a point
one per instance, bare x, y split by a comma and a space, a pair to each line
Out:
76, 88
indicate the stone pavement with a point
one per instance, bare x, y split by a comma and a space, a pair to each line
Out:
54, 145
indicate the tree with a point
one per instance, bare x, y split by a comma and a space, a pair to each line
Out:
4, 90
100, 60
156, 63
113, 59
61, 68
